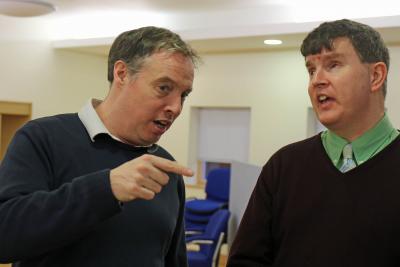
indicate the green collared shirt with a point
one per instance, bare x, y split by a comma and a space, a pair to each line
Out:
364, 147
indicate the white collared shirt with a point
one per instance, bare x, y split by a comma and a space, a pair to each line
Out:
93, 124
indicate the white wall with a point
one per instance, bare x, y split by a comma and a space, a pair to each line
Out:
273, 84
393, 91
54, 81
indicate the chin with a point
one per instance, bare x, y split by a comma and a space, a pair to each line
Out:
328, 119
329, 124
151, 141
142, 142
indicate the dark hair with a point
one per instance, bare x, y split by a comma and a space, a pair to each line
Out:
134, 46
367, 42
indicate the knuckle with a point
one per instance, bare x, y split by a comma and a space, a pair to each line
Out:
143, 169
135, 189
139, 178
146, 157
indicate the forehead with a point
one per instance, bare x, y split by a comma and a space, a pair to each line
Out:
169, 66
342, 48
171, 58
165, 61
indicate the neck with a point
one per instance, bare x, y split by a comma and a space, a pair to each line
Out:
108, 115
351, 133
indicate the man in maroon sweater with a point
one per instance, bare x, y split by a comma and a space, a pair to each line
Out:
314, 205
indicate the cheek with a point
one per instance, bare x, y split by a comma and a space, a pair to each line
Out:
310, 92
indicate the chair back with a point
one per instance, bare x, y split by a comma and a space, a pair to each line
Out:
217, 185
216, 227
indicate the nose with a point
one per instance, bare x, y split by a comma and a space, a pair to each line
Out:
319, 78
174, 106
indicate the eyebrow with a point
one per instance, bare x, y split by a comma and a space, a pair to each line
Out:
168, 79
328, 56
334, 55
165, 79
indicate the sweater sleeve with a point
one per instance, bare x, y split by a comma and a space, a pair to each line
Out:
35, 218
177, 253
252, 245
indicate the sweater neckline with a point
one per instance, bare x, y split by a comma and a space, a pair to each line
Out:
366, 165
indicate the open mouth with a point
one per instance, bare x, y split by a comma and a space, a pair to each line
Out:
323, 99
162, 124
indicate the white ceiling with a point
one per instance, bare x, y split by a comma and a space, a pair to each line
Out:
210, 25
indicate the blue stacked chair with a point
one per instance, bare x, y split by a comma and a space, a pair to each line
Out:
199, 211
209, 241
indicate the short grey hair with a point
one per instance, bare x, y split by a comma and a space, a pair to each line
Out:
134, 46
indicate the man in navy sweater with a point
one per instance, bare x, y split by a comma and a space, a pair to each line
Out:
93, 188
332, 200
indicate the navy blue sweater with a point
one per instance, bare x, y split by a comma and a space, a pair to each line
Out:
57, 207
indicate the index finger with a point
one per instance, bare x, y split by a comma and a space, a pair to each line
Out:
171, 166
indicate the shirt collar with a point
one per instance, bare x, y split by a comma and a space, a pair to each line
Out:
365, 146
334, 145
91, 120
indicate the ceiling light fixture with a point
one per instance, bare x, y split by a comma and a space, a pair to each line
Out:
25, 8
272, 42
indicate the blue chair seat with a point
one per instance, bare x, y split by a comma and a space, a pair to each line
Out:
204, 206
195, 226
197, 218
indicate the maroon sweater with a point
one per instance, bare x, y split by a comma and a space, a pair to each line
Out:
305, 212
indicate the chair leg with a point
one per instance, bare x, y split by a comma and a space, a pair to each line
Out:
217, 250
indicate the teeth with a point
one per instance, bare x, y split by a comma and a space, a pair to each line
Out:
161, 124
322, 97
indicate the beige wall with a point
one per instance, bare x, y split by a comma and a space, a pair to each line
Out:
393, 94
54, 80
273, 84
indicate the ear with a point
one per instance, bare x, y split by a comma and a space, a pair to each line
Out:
377, 75
120, 72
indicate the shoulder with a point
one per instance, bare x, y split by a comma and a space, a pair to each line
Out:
289, 161
295, 153
56, 120
162, 152
53, 129
52, 124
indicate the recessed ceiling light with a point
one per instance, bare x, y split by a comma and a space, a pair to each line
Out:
25, 8
272, 42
